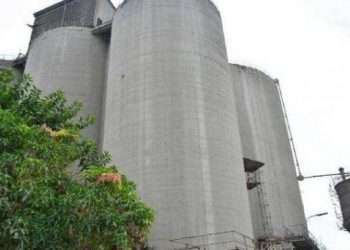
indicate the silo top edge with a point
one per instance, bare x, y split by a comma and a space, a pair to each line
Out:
52, 7
210, 2
342, 183
244, 67
215, 7
59, 4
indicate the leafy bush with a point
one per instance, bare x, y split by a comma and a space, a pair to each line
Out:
42, 206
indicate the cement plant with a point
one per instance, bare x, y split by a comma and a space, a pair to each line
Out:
207, 142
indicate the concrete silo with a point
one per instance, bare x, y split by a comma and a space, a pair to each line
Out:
343, 191
65, 54
171, 122
71, 59
276, 205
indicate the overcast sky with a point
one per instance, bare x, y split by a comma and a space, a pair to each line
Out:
304, 43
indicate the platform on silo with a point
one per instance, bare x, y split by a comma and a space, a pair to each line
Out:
251, 166
305, 243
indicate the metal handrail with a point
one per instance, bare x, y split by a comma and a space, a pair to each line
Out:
7, 57
306, 234
232, 238
11, 57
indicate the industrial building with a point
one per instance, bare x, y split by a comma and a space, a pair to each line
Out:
342, 188
205, 141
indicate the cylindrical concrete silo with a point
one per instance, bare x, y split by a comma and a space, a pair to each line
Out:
73, 60
343, 191
276, 204
171, 123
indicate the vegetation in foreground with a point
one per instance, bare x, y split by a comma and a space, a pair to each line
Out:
42, 206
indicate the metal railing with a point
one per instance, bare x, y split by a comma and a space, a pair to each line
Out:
229, 240
233, 240
224, 240
11, 57
276, 245
7, 57
301, 232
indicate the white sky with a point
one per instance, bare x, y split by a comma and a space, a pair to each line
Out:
304, 43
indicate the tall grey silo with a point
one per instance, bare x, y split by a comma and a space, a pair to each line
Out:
343, 191
276, 205
171, 122
64, 54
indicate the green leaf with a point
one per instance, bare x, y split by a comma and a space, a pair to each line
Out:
41, 205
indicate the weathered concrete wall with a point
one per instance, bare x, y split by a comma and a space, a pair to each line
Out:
171, 122
276, 204
73, 60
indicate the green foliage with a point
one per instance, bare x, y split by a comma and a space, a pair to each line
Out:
41, 205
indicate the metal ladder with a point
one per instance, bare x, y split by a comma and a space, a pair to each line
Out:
264, 205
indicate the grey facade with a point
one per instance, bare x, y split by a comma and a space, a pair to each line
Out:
179, 120
276, 204
168, 127
71, 59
